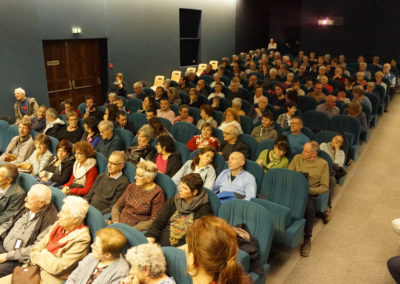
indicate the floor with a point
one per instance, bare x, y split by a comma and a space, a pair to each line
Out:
355, 245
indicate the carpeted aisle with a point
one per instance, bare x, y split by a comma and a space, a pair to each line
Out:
355, 245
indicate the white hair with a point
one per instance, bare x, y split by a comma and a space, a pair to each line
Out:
42, 192
138, 84
273, 70
106, 124
19, 90
148, 256
112, 94
77, 206
237, 101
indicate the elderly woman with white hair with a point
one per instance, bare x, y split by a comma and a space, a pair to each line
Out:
148, 265
66, 243
142, 200
237, 106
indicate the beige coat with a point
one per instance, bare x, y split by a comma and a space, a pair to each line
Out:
56, 268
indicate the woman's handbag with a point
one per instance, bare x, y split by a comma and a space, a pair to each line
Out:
27, 274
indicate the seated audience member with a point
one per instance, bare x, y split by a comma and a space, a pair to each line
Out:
334, 149
217, 90
389, 75
278, 99
216, 104
292, 97
119, 102
201, 88
173, 96
349, 84
69, 107
285, 118
378, 80
217, 81
73, 132
53, 123
122, 122
208, 71
236, 92
354, 109
329, 107
317, 171
297, 139
138, 91
142, 149
119, 86
235, 180
179, 212
24, 106
110, 113
237, 106
371, 88
194, 98
39, 158
165, 111
66, 243
12, 194
148, 103
184, 115
158, 127
59, 168
34, 221
109, 141
167, 160
231, 143
39, 121
84, 170
108, 187
360, 79
203, 164
257, 111
91, 133
266, 129
324, 82
359, 96
150, 113
341, 97
104, 264
142, 200
296, 86
148, 265
182, 85
159, 93
317, 93
204, 139
166, 85
253, 82
277, 157
206, 114
91, 109
230, 118
111, 99
20, 147
206, 236
258, 93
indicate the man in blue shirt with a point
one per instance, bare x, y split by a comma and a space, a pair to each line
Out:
236, 180
297, 139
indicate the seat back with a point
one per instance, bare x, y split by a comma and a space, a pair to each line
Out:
191, 69
184, 97
176, 75
158, 80
176, 265
195, 113
344, 123
374, 102
82, 108
251, 143
95, 221
133, 105
101, 161
247, 124
183, 131
201, 68
166, 183
256, 170
11, 132
57, 197
138, 120
214, 64
246, 106
133, 236
287, 188
218, 115
316, 120
257, 218
219, 161
306, 103
126, 137
215, 202
149, 91
26, 181
183, 150
208, 79
3, 130
53, 145
167, 123
130, 171
266, 144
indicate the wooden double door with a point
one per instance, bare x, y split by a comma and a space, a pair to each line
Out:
74, 70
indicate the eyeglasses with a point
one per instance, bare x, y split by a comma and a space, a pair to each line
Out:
227, 133
114, 164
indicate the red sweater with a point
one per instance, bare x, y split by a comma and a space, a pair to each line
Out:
90, 177
196, 140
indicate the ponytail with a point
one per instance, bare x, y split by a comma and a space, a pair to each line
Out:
231, 273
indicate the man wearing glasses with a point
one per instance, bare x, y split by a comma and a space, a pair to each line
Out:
232, 144
108, 187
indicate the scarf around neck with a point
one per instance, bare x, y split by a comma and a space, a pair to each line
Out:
188, 207
80, 170
58, 238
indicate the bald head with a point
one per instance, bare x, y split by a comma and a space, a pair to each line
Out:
236, 161
310, 150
